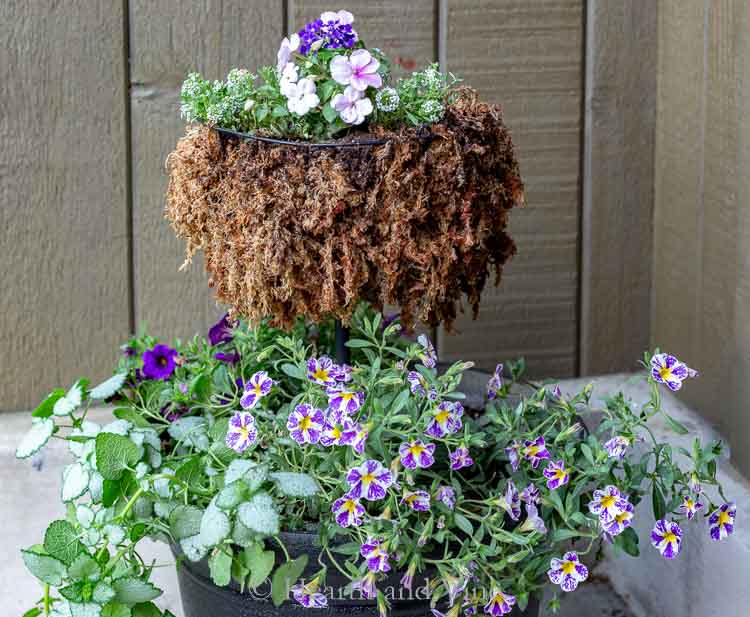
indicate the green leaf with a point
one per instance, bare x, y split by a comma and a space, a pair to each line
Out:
628, 541
250, 472
259, 562
116, 610
587, 453
464, 524
34, 612
44, 410
676, 426
400, 402
231, 496
279, 111
114, 454
75, 481
108, 388
85, 610
215, 526
358, 343
285, 576
192, 431
261, 112
147, 609
190, 472
329, 113
293, 371
72, 400
61, 542
185, 521
47, 569
295, 484
259, 515
103, 593
84, 567
657, 502
325, 90
131, 590
132, 416
35, 439
220, 566
562, 534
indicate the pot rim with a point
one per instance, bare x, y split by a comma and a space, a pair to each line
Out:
302, 144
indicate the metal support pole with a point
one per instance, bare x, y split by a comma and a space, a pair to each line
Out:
342, 336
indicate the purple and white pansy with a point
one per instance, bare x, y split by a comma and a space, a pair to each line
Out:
608, 503
460, 458
556, 474
321, 371
309, 596
666, 537
242, 432
617, 447
417, 383
427, 355
620, 522
668, 370
344, 401
535, 451
567, 572
375, 554
446, 419
513, 451
531, 494
447, 496
511, 501
721, 521
359, 71
305, 424
348, 512
258, 386
690, 507
369, 481
500, 603
417, 500
416, 453
339, 430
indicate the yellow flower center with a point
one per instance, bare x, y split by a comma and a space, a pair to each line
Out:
320, 374
689, 504
442, 416
724, 518
347, 396
499, 598
665, 373
411, 499
560, 474
416, 449
670, 538
350, 506
621, 518
336, 432
568, 567
608, 501
532, 450
367, 478
305, 423
258, 390
244, 433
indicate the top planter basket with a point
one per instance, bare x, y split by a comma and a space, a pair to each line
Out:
415, 218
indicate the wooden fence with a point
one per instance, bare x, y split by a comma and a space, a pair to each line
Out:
90, 112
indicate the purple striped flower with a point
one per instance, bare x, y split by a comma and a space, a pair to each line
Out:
513, 451
531, 494
417, 500
417, 383
339, 430
533, 521
500, 603
721, 521
428, 355
321, 371
447, 496
348, 512
360, 437
534, 451
309, 596
617, 447
495, 384
666, 537
446, 419
258, 386
375, 555
342, 373
608, 503
620, 522
511, 501
366, 586
670, 371
305, 424
556, 475
407, 580
242, 432
567, 572
689, 507
369, 481
221, 331
417, 454
460, 458
159, 362
344, 401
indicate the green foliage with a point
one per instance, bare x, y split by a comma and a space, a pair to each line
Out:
115, 454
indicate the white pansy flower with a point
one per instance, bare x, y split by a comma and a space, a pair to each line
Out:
301, 97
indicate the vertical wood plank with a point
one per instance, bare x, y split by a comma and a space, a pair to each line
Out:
169, 40
618, 184
527, 56
65, 293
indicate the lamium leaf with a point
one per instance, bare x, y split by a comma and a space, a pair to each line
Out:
84, 567
260, 515
109, 387
113, 609
250, 472
61, 541
34, 440
72, 400
231, 496
75, 481
215, 526
220, 566
185, 521
102, 593
190, 431
44, 410
295, 484
85, 610
114, 454
146, 609
193, 548
46, 568
259, 562
130, 590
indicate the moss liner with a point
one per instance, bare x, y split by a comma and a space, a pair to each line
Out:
297, 230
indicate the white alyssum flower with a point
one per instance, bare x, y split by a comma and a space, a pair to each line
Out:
387, 99
302, 96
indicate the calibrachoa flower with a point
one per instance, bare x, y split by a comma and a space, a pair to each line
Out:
533, 521
305, 424
556, 475
352, 105
417, 383
721, 521
567, 572
694, 484
366, 586
428, 355
446, 419
460, 458
531, 494
159, 362
360, 70
369, 481
500, 603
230, 358
258, 386
511, 501
670, 371
348, 512
321, 371
417, 500
309, 596
339, 430
342, 372
620, 522
447, 496
221, 331
495, 384
344, 401
608, 503
375, 555
407, 580
534, 451
666, 537
242, 432
360, 438
690, 507
417, 454
514, 455
617, 446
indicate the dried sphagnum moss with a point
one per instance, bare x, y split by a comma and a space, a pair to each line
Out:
295, 231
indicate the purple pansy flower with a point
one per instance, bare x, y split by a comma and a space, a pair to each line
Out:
369, 481
309, 596
417, 454
417, 500
460, 458
221, 331
447, 496
617, 446
534, 451
258, 386
242, 432
721, 521
500, 603
513, 452
670, 371
495, 384
348, 512
666, 537
689, 507
446, 419
375, 555
511, 501
344, 401
159, 362
556, 474
321, 370
531, 494
620, 522
608, 503
360, 70
428, 355
533, 521
231, 357
567, 572
305, 424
